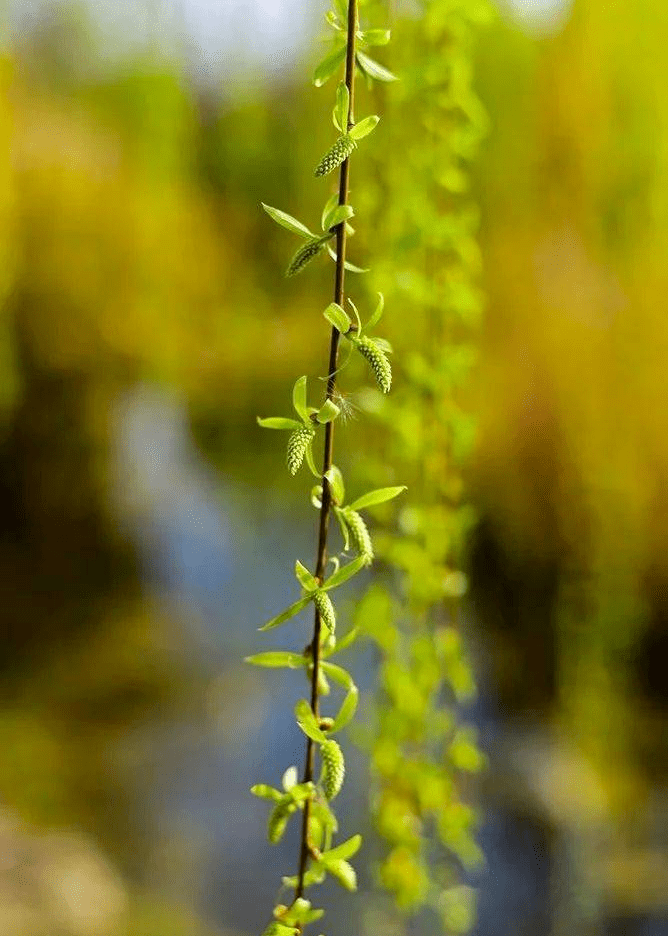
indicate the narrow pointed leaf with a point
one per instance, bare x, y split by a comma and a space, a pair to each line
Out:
308, 457
375, 37
307, 721
374, 69
266, 792
343, 851
287, 614
346, 641
330, 205
299, 399
364, 127
338, 317
273, 659
328, 66
342, 108
349, 266
347, 710
277, 422
340, 213
339, 674
345, 572
287, 221
336, 485
304, 577
377, 497
345, 532
375, 318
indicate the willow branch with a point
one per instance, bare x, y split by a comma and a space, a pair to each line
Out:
326, 504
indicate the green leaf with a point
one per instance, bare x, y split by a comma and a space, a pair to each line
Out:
345, 532
336, 485
300, 913
278, 422
299, 400
346, 641
375, 318
330, 205
348, 266
308, 456
286, 615
340, 213
275, 659
316, 496
357, 316
379, 496
304, 577
340, 112
374, 69
345, 572
328, 66
315, 875
349, 705
307, 721
300, 792
338, 317
364, 127
327, 412
287, 221
347, 710
343, 872
339, 674
384, 345
374, 37
266, 792
342, 9
345, 850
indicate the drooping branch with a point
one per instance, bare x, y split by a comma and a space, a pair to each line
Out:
326, 503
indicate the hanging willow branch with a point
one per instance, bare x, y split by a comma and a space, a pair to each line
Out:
318, 856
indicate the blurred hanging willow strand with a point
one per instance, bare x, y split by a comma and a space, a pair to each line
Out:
318, 856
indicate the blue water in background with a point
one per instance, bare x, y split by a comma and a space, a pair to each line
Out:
214, 556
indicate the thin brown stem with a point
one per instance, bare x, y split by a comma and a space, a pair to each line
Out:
326, 504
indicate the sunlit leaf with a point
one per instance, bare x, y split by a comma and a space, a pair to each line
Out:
287, 221
287, 614
274, 659
307, 721
374, 69
379, 496
328, 66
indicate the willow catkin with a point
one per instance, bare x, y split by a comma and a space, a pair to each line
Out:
333, 768
360, 534
335, 155
298, 442
326, 611
305, 254
378, 360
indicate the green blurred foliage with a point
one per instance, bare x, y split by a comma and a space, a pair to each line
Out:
132, 248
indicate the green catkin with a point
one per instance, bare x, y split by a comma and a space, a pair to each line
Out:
360, 534
335, 155
278, 821
333, 768
326, 611
305, 254
377, 358
298, 442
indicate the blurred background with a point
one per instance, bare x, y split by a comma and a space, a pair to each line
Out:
148, 526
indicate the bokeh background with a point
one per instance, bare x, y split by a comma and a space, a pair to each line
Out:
147, 526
